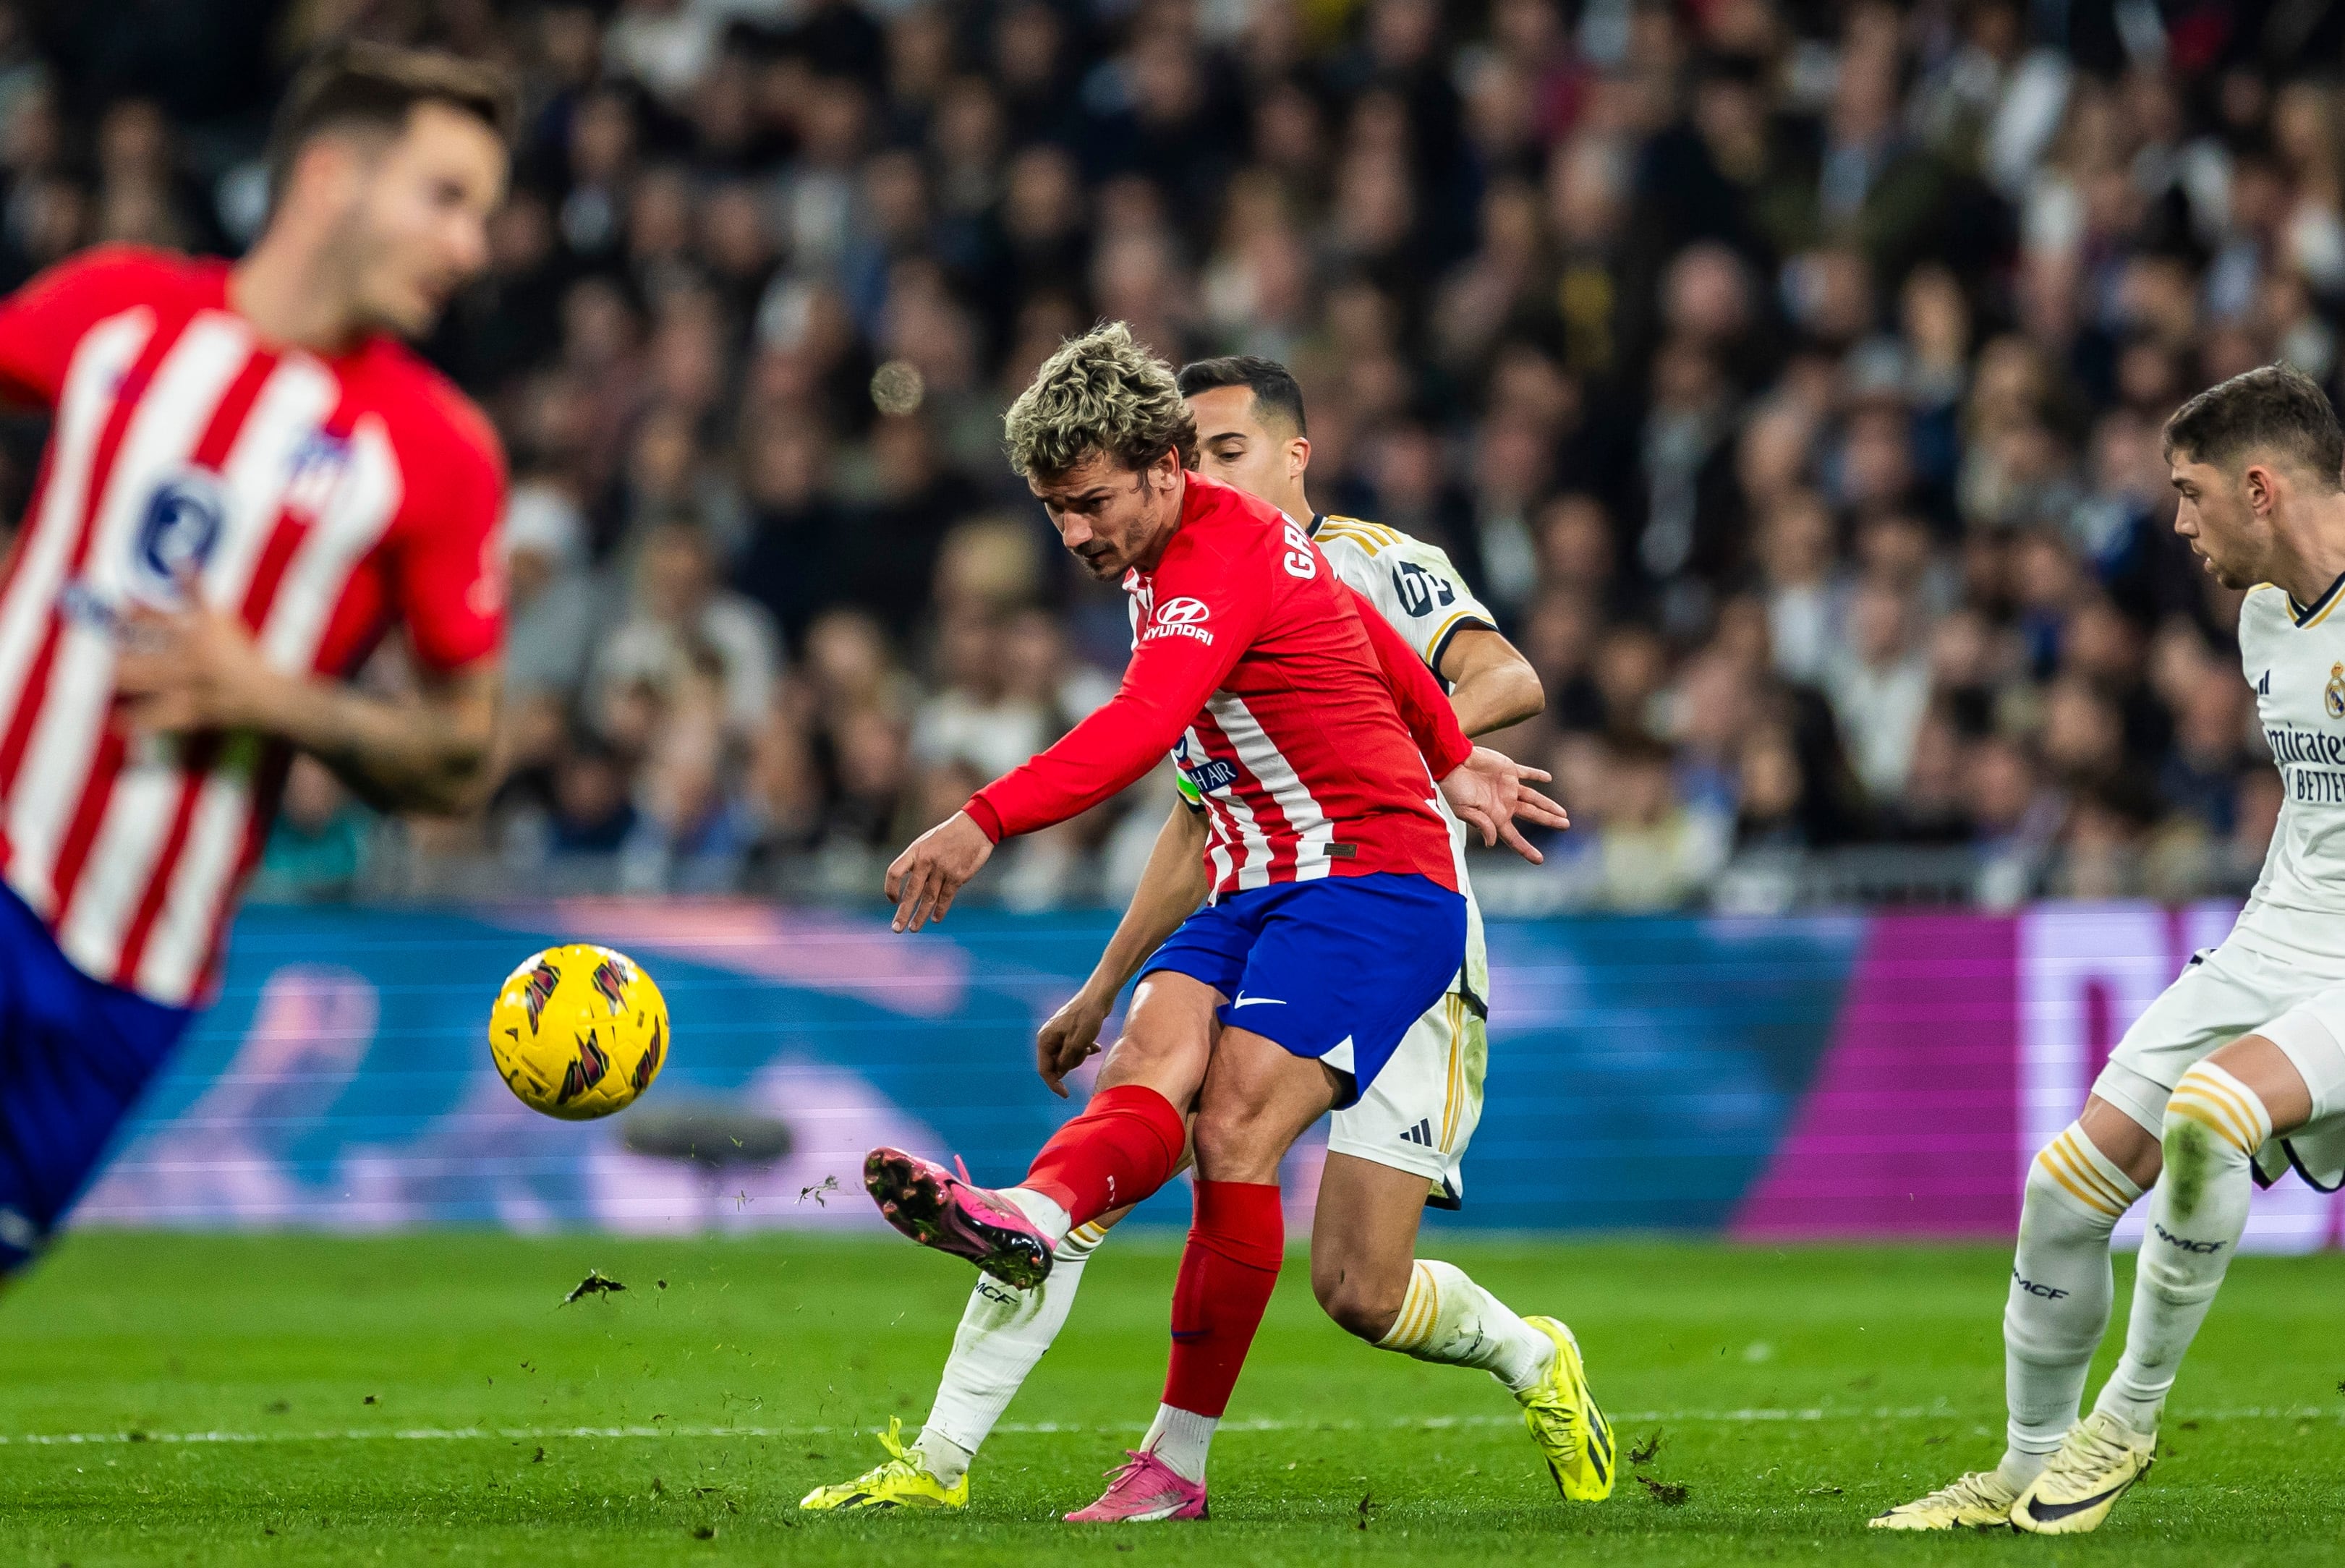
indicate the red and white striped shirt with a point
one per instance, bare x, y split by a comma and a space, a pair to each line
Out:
1301, 719
321, 498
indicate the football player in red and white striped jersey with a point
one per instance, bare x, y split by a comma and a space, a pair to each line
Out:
249, 482
1314, 735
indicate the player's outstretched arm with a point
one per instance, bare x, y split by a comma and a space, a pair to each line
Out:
1169, 890
199, 668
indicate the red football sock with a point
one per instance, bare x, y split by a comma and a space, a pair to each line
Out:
1235, 1245
1125, 1145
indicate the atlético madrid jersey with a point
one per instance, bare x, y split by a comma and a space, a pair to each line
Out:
1301, 719
320, 498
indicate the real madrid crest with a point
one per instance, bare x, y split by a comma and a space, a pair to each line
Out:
2332, 698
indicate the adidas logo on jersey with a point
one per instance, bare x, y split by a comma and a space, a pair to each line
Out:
1422, 1133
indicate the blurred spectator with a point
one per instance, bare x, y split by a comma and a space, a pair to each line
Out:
316, 846
680, 615
1652, 852
1879, 681
1787, 378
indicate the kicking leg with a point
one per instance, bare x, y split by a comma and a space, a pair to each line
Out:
1257, 1099
1126, 1144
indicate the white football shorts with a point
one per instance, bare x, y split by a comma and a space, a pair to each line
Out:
1420, 1112
2249, 985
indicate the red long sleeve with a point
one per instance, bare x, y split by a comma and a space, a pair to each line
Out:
1206, 614
1423, 705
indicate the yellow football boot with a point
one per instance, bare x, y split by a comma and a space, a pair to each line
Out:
1561, 1414
901, 1481
2097, 1464
1979, 1501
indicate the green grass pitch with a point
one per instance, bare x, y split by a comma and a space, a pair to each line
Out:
424, 1399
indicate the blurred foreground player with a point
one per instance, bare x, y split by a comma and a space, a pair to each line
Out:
1396, 1151
247, 483
2235, 1075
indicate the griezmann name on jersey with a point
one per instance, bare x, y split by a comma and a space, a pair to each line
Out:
318, 497
1278, 695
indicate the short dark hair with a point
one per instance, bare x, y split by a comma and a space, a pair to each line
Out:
359, 86
2274, 407
1273, 384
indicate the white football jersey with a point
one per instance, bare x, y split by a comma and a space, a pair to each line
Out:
2294, 658
1427, 601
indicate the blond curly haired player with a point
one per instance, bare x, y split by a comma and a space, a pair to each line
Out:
1395, 1152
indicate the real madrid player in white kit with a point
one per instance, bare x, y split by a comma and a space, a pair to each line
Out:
1389, 1156
2235, 1075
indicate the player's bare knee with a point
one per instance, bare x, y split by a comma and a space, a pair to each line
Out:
2125, 1131
1160, 1059
1235, 1141
1358, 1302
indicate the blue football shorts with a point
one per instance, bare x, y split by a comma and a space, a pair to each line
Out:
1335, 969
74, 1055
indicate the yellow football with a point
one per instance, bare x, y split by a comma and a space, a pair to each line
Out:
578, 1031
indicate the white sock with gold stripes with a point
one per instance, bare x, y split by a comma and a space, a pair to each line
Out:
1447, 1318
1003, 1332
2060, 1293
2214, 1125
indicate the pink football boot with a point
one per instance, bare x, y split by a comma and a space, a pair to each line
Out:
1142, 1492
937, 1208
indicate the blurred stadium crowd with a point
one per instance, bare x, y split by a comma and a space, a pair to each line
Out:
1788, 374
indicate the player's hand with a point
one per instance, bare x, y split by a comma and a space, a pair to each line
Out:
1490, 791
924, 878
193, 667
1071, 1036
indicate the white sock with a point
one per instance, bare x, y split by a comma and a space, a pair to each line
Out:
2214, 1125
2059, 1308
1447, 1318
1003, 1332
1182, 1438
1048, 1217
940, 1456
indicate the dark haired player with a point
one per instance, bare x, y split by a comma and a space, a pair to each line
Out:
2237, 1073
249, 482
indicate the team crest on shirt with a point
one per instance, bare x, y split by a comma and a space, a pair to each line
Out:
317, 466
2332, 696
177, 532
